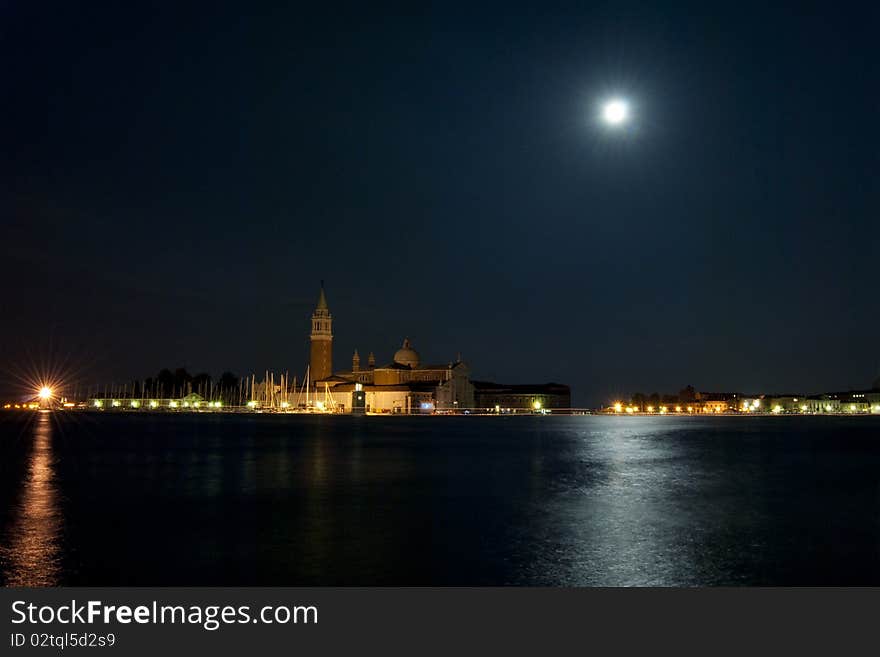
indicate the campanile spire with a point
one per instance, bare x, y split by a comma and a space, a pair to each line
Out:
321, 354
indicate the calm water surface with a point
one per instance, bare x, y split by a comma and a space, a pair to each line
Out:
153, 499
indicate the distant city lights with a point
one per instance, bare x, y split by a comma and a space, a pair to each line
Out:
777, 406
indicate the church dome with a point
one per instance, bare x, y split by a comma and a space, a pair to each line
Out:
406, 355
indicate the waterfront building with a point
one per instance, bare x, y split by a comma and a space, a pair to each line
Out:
788, 403
407, 385
715, 406
404, 385
856, 405
499, 397
816, 404
718, 402
321, 340
857, 401
861, 401
192, 401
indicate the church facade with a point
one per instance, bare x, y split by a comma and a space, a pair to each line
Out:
404, 385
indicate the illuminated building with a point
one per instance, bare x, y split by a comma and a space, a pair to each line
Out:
321, 352
786, 403
404, 385
815, 404
407, 385
192, 401
717, 406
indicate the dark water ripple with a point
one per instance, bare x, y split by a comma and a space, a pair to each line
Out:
151, 499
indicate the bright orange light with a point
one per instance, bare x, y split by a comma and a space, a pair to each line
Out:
45, 392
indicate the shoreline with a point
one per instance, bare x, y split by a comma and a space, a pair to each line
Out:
466, 413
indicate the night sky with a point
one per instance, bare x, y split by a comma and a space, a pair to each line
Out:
175, 181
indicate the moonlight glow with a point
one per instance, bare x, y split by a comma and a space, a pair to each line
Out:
615, 112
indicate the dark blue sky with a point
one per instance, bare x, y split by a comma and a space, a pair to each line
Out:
176, 179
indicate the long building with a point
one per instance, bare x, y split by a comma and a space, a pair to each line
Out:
506, 398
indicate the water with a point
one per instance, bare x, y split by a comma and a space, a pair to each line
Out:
152, 499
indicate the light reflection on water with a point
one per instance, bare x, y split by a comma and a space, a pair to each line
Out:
617, 513
31, 548
561, 501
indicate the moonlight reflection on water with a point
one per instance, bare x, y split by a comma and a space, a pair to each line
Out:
168, 499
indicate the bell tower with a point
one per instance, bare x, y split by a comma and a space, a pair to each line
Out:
321, 355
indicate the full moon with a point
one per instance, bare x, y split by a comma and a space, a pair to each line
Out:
615, 112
